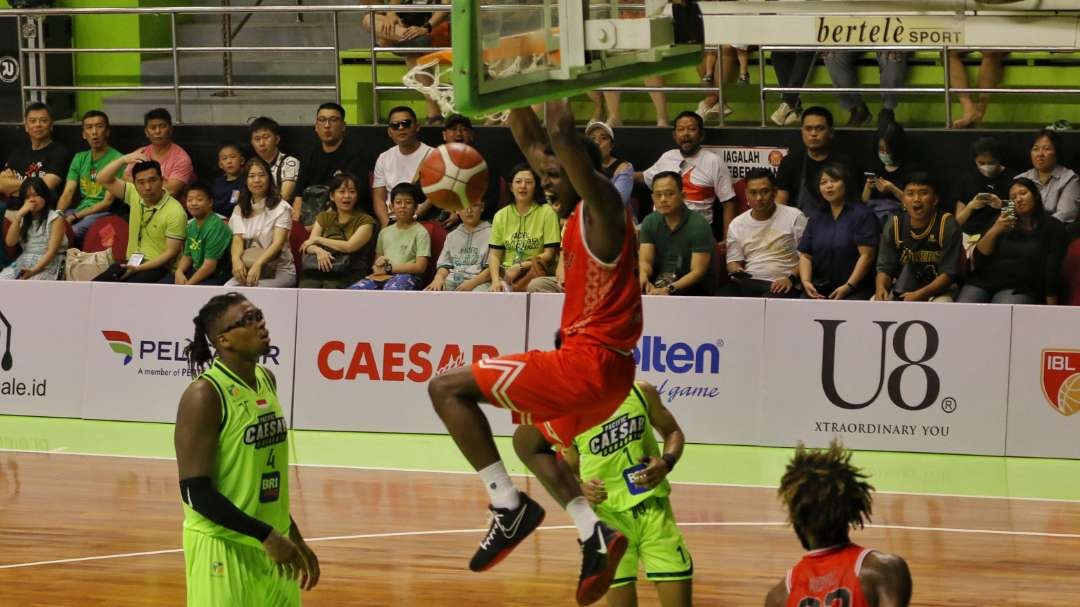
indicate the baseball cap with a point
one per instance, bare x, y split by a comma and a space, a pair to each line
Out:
455, 120
602, 126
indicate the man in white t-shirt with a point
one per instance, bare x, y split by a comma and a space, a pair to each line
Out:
400, 163
706, 178
265, 139
762, 259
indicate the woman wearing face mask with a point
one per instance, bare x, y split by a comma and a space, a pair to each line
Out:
1018, 259
1059, 186
884, 190
981, 192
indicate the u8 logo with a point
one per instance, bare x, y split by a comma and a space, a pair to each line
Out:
896, 377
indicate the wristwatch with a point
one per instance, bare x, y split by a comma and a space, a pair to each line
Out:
672, 289
427, 26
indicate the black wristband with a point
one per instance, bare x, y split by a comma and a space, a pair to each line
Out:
199, 493
670, 460
427, 26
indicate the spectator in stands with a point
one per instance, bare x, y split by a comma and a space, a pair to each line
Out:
887, 174
706, 178
842, 65
406, 28
40, 156
1059, 186
94, 200
1018, 259
260, 224
762, 243
174, 160
342, 241
156, 221
619, 171
710, 74
205, 260
462, 265
990, 72
797, 177
265, 141
613, 99
792, 70
403, 250
919, 252
837, 250
38, 229
332, 155
400, 163
980, 192
675, 254
524, 234
227, 185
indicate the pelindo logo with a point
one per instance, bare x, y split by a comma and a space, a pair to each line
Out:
654, 354
120, 343
395, 361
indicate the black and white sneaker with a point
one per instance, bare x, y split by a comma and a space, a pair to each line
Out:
600, 556
508, 529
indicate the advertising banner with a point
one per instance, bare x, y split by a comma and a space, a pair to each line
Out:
741, 159
1044, 382
364, 359
42, 352
704, 355
135, 364
889, 376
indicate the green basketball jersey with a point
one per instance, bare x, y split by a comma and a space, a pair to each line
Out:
613, 450
252, 466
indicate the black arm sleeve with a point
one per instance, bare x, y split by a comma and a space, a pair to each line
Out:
204, 498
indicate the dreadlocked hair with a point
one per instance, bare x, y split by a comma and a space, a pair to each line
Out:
200, 351
825, 495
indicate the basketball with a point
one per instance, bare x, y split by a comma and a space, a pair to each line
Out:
452, 175
1069, 395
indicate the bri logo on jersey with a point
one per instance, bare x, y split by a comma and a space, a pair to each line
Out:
654, 354
269, 430
617, 433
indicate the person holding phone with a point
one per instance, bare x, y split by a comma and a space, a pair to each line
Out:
982, 189
623, 474
157, 223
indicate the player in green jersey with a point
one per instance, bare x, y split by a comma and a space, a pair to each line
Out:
241, 546
623, 474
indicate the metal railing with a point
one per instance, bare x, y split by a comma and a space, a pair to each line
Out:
228, 87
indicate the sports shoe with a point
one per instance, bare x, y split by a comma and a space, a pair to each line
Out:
508, 528
600, 556
860, 115
706, 110
783, 115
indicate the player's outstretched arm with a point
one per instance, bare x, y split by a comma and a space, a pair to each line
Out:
887, 578
529, 136
602, 201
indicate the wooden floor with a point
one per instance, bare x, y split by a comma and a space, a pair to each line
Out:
396, 538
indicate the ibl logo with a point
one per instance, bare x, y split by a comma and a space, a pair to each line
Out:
896, 376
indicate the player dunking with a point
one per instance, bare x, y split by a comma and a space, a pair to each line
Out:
825, 497
555, 395
241, 546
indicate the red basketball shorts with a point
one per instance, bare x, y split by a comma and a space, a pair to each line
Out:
561, 392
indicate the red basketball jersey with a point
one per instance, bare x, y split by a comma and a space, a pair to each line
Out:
828, 577
603, 301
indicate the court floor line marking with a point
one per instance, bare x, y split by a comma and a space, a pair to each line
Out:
363, 536
525, 475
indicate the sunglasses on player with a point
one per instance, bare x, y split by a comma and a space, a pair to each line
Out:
251, 317
401, 124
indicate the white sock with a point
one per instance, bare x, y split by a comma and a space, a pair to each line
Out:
500, 488
584, 518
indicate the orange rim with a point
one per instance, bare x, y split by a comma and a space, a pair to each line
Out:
445, 57
526, 44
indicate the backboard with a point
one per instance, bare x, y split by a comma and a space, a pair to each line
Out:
512, 53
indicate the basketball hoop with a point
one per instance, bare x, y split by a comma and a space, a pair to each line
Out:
518, 54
